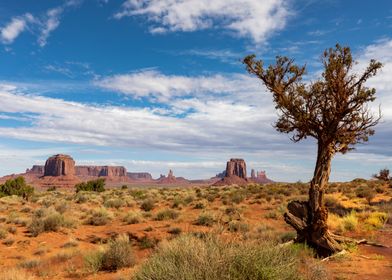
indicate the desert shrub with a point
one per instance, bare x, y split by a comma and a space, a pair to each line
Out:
199, 205
147, 205
271, 215
124, 187
177, 202
175, 231
51, 189
114, 203
132, 217
191, 258
235, 226
205, 219
30, 264
49, 221
3, 233
166, 214
61, 207
16, 187
342, 224
138, 194
12, 229
375, 220
15, 274
365, 192
97, 185
287, 236
118, 254
99, 217
147, 243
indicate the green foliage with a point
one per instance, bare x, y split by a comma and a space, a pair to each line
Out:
17, 187
147, 205
97, 185
205, 219
191, 258
117, 255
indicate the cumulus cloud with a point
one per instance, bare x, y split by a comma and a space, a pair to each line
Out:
381, 51
154, 85
247, 18
14, 28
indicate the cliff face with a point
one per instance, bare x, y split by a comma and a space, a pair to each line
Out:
59, 165
36, 170
235, 173
139, 176
99, 171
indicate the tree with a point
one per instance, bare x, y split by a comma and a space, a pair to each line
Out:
333, 110
17, 187
383, 175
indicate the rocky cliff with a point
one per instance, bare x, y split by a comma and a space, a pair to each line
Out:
101, 171
59, 165
139, 176
235, 173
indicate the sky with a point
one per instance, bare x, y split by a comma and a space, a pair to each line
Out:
155, 85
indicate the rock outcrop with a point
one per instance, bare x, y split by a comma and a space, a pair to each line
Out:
236, 167
143, 176
59, 165
101, 171
171, 179
235, 173
260, 177
36, 170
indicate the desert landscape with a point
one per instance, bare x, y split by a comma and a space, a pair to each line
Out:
133, 232
195, 140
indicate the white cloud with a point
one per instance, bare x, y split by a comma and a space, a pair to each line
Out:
159, 87
256, 19
14, 28
381, 51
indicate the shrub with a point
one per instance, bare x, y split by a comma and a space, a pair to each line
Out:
118, 254
50, 221
16, 187
175, 231
114, 203
147, 205
365, 192
99, 217
342, 224
235, 226
147, 243
15, 274
205, 219
132, 217
191, 258
166, 214
97, 185
376, 220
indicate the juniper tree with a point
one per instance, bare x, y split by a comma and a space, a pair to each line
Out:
334, 111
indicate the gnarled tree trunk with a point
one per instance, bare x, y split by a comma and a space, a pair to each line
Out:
309, 218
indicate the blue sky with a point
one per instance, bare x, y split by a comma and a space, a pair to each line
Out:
154, 85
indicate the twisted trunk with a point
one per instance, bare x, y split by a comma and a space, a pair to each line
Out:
309, 218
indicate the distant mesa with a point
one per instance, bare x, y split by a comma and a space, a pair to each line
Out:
235, 174
59, 165
171, 179
142, 176
101, 171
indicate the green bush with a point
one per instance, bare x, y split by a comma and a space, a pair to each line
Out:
99, 217
205, 219
16, 187
147, 205
50, 221
166, 214
97, 185
191, 258
118, 254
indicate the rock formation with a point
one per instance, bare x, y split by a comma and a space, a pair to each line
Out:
140, 176
171, 179
101, 171
36, 170
235, 173
253, 174
260, 177
236, 167
59, 165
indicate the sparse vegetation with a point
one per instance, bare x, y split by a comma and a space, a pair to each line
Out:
97, 185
